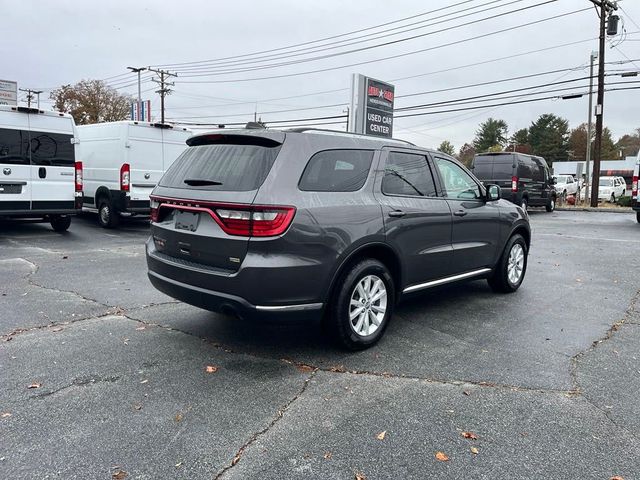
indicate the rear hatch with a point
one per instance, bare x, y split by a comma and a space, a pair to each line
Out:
494, 169
203, 210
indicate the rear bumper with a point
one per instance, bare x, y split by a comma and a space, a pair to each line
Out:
227, 292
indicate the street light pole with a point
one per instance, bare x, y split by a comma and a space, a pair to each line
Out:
138, 70
594, 55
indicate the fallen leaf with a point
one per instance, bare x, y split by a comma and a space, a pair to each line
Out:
360, 476
327, 456
64, 257
305, 368
178, 464
578, 280
5, 415
144, 381
440, 456
137, 406
617, 477
337, 368
119, 475
381, 435
474, 450
236, 459
178, 417
211, 369
466, 392
34, 385
140, 328
56, 329
469, 435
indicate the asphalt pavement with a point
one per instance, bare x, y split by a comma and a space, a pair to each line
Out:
103, 377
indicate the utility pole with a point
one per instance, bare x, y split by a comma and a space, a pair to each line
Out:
606, 7
163, 87
30, 94
594, 55
138, 71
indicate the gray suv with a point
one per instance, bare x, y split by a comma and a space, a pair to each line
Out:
321, 224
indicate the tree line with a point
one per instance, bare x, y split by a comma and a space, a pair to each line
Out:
549, 137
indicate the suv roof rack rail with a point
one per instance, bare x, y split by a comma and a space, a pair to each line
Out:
327, 130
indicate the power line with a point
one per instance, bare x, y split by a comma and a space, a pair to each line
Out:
163, 91
237, 80
214, 67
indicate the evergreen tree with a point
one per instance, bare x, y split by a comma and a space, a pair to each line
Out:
490, 133
549, 138
447, 147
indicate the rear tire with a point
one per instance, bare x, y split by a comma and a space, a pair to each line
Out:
524, 204
509, 272
613, 198
638, 216
107, 216
551, 205
362, 305
60, 223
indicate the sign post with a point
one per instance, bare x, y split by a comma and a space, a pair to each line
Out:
8, 92
371, 109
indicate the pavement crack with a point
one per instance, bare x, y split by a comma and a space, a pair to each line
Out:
80, 382
279, 415
627, 318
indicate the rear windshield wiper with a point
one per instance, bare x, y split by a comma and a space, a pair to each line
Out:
195, 182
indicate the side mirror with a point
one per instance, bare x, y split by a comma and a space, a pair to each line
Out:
493, 193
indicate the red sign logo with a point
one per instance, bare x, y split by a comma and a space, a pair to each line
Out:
380, 93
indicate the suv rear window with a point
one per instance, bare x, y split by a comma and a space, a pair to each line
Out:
336, 171
231, 168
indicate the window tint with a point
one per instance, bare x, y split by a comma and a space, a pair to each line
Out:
236, 168
13, 146
408, 174
336, 171
483, 168
457, 182
52, 149
503, 170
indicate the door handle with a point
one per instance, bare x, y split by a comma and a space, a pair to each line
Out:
42, 172
460, 213
397, 213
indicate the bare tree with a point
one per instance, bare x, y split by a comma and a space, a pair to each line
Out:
91, 101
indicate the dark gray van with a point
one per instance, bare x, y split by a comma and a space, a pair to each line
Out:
326, 225
524, 179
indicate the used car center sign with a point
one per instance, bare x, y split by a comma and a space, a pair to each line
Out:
371, 109
8, 92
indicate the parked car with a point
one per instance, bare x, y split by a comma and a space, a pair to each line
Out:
524, 179
122, 162
41, 177
635, 198
611, 188
321, 224
566, 185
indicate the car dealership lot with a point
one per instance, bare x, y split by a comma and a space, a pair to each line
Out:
121, 380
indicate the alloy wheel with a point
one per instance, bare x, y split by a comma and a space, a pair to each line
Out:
368, 305
515, 266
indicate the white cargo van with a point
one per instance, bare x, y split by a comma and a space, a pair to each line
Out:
122, 162
635, 196
40, 177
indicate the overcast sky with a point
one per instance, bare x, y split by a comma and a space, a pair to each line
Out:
47, 44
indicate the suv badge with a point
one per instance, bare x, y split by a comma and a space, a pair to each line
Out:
6, 171
147, 176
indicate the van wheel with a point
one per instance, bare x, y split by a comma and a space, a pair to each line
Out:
60, 223
524, 204
362, 305
613, 198
551, 206
509, 272
107, 217
638, 216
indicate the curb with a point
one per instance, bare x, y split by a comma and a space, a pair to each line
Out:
592, 209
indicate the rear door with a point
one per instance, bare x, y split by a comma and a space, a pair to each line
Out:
144, 155
417, 222
205, 198
52, 162
15, 171
476, 223
173, 144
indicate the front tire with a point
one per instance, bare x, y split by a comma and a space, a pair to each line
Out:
613, 198
638, 216
362, 305
524, 204
551, 206
60, 223
509, 272
107, 216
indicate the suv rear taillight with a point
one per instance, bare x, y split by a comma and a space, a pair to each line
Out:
514, 184
78, 176
634, 186
234, 219
125, 177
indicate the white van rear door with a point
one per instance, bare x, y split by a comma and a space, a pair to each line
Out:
145, 160
15, 171
52, 162
174, 142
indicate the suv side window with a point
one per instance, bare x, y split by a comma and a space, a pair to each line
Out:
457, 183
408, 174
336, 171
